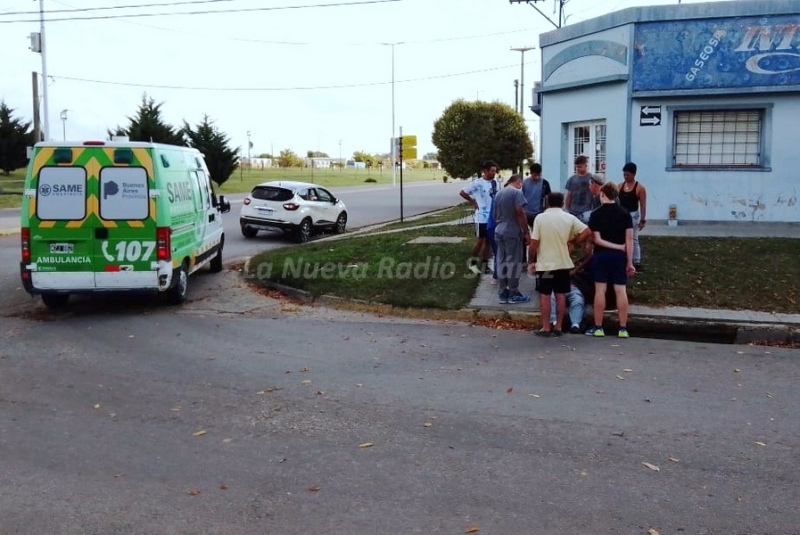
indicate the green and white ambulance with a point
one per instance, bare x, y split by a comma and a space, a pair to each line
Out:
117, 216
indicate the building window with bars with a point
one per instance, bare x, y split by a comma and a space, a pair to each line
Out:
718, 138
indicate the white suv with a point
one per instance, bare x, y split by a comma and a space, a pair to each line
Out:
298, 208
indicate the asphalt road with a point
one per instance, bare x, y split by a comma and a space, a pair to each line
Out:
239, 414
242, 414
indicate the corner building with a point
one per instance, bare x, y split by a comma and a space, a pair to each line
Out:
705, 98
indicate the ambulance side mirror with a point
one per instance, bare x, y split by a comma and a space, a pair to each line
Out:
223, 204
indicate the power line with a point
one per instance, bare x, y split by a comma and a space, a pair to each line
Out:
275, 89
105, 8
202, 12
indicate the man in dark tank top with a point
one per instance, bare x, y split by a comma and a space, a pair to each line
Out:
633, 197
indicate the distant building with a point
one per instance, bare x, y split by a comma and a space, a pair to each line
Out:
352, 164
703, 97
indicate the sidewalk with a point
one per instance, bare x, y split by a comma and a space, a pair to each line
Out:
8, 224
740, 325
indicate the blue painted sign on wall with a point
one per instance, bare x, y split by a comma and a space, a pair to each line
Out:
717, 53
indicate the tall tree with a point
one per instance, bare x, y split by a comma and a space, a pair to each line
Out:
221, 160
469, 133
316, 154
289, 159
147, 125
15, 137
368, 159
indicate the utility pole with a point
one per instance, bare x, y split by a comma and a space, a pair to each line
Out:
522, 49
559, 7
516, 94
37, 127
46, 131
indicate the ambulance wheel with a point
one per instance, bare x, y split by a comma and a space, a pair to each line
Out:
249, 232
216, 262
53, 301
303, 232
177, 294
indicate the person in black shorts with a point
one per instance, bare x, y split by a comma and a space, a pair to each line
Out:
612, 263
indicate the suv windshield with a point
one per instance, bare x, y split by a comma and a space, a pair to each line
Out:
271, 193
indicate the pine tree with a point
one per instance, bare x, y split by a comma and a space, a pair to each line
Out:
15, 138
147, 125
221, 160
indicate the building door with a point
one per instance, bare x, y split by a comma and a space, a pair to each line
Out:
588, 139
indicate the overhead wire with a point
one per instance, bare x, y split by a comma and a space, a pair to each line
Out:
201, 12
276, 89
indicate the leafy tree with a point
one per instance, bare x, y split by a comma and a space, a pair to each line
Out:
221, 160
369, 159
147, 125
264, 155
289, 159
15, 137
316, 154
469, 133
431, 156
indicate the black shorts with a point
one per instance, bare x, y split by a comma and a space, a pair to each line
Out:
480, 230
609, 267
556, 281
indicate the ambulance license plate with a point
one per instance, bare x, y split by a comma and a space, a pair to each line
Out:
61, 248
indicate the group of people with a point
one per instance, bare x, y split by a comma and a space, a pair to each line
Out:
526, 223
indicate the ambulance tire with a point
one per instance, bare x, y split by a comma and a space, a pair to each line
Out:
304, 230
216, 263
54, 300
180, 286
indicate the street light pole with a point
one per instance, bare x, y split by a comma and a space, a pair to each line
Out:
394, 149
64, 123
249, 146
522, 49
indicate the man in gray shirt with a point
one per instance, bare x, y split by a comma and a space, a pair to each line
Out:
536, 189
512, 236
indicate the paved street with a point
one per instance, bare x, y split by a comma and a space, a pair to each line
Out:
239, 414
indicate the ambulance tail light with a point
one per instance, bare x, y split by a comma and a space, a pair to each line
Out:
25, 244
163, 243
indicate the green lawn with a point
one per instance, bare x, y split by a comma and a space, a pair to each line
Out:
242, 181
11, 189
732, 273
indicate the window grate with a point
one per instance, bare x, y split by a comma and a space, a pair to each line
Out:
729, 138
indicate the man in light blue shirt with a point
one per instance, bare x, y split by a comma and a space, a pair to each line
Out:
480, 193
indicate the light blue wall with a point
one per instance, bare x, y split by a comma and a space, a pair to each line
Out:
770, 194
601, 102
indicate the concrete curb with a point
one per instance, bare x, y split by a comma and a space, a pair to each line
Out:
9, 232
641, 325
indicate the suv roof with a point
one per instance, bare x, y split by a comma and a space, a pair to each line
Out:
287, 184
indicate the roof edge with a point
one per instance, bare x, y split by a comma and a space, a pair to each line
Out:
705, 10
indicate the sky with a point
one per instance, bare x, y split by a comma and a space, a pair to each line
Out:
305, 75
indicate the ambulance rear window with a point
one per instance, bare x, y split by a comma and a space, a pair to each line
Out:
124, 194
61, 194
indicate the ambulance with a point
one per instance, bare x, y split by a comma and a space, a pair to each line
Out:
116, 216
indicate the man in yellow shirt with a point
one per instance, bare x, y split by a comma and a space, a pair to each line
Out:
549, 258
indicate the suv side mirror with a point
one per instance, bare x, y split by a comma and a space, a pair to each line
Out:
223, 204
